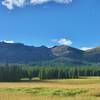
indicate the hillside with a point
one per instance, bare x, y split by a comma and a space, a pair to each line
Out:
64, 55
93, 55
20, 53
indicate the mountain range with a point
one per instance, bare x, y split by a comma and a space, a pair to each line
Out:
57, 55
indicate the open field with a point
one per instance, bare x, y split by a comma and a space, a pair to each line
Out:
87, 88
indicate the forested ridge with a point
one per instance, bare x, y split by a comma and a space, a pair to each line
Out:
18, 61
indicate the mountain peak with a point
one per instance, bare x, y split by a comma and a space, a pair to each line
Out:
64, 50
98, 47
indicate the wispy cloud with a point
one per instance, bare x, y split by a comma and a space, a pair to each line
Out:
44, 1
35, 2
10, 4
7, 41
86, 48
63, 41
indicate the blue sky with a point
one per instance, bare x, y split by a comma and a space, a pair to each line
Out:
52, 23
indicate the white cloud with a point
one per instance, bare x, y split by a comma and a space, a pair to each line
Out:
7, 41
10, 4
38, 1
86, 48
63, 1
44, 1
63, 41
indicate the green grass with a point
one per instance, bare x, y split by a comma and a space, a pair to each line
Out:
46, 91
81, 80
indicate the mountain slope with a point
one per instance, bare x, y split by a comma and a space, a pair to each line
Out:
57, 55
20, 53
93, 55
66, 51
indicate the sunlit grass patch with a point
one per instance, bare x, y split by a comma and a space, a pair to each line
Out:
81, 80
46, 91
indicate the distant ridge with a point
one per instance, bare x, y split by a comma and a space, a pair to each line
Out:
23, 54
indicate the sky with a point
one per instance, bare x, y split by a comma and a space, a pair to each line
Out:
51, 22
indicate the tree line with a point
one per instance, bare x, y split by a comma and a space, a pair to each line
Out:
18, 72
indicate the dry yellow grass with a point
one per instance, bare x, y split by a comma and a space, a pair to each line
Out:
92, 94
47, 84
9, 96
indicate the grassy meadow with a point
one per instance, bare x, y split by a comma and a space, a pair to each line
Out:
85, 88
